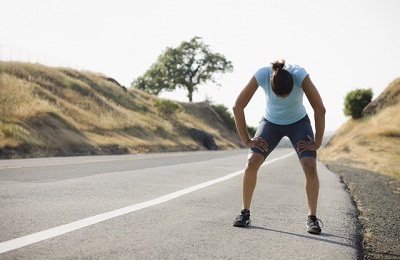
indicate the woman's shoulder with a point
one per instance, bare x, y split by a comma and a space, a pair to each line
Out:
262, 75
265, 69
297, 71
263, 72
293, 68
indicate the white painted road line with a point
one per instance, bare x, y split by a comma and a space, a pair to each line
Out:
60, 230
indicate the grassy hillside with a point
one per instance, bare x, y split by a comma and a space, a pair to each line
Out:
48, 111
372, 142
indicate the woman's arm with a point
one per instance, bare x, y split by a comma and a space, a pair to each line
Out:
238, 111
319, 110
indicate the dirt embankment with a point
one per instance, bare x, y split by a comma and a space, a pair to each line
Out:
366, 154
46, 111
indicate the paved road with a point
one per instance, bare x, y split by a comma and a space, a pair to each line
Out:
167, 206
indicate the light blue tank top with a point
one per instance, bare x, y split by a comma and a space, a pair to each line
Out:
290, 109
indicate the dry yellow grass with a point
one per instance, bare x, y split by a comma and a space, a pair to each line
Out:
18, 100
371, 143
48, 111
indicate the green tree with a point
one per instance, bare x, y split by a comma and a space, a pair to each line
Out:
187, 66
356, 101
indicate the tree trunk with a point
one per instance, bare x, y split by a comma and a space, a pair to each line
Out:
190, 92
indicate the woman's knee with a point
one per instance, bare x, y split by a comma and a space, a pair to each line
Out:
309, 165
254, 161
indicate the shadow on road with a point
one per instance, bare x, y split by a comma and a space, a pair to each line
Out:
324, 237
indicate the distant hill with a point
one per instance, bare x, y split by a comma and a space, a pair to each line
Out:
46, 111
372, 142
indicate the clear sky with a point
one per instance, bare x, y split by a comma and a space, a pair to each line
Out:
343, 44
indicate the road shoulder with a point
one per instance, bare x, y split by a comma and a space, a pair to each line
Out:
377, 198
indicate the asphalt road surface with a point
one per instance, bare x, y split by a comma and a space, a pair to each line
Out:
168, 206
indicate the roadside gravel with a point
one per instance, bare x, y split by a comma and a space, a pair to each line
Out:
378, 201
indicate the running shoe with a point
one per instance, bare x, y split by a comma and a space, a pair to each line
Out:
243, 219
313, 225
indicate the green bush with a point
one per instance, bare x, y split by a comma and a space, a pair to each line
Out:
356, 101
229, 121
225, 115
167, 107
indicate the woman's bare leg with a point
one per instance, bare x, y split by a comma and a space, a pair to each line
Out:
254, 161
309, 166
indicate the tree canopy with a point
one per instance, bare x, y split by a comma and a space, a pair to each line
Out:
187, 66
355, 101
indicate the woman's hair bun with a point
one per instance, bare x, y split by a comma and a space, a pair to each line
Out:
281, 79
277, 66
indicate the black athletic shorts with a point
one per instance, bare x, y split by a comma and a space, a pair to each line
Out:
296, 132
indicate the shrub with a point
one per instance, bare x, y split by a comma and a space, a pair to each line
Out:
167, 107
225, 115
229, 121
356, 101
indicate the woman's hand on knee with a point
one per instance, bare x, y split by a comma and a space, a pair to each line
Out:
259, 143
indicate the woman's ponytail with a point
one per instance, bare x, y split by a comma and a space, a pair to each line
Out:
277, 66
281, 79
